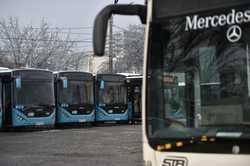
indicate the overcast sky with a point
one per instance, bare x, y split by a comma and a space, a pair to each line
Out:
75, 14
60, 13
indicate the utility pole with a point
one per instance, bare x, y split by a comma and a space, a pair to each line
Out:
111, 41
111, 44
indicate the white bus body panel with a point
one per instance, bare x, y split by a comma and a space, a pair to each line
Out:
193, 159
147, 152
152, 157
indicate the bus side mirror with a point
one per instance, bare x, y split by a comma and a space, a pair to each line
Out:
64, 82
18, 82
102, 84
101, 22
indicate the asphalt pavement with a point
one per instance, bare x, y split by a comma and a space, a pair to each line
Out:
114, 145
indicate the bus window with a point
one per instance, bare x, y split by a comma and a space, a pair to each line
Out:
113, 93
216, 84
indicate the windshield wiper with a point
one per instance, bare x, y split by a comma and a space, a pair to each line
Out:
46, 105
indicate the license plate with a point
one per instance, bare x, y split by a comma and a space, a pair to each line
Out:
82, 120
39, 123
74, 112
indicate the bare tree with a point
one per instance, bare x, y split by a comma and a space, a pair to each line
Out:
128, 50
103, 68
130, 59
36, 47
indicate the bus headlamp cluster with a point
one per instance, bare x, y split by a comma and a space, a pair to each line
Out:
31, 114
169, 146
20, 107
204, 138
110, 111
18, 117
160, 147
64, 105
180, 144
74, 112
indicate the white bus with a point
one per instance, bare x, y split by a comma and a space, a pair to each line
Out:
202, 47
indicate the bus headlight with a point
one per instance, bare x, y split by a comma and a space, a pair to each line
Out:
31, 114
74, 112
19, 118
110, 111
19, 107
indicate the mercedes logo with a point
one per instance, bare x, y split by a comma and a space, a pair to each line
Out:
234, 33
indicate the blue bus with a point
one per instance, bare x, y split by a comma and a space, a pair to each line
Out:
1, 108
74, 97
111, 98
134, 86
28, 98
196, 84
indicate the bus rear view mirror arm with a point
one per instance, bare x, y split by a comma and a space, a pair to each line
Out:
101, 22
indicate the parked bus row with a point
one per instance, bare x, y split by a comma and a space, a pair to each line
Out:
196, 84
34, 97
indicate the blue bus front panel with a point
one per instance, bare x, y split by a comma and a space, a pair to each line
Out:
20, 119
130, 110
1, 118
63, 116
102, 115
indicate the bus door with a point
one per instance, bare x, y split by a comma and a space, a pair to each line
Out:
1, 111
137, 102
6, 102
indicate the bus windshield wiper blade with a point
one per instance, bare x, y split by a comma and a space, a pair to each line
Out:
46, 105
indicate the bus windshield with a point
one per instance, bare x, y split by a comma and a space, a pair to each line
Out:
113, 93
34, 92
199, 77
77, 93
0, 95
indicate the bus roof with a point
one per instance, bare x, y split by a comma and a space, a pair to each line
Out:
23, 73
111, 77
135, 77
74, 75
23, 69
4, 68
130, 74
134, 80
169, 8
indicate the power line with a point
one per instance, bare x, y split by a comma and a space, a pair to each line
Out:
87, 27
71, 33
118, 27
23, 51
70, 41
